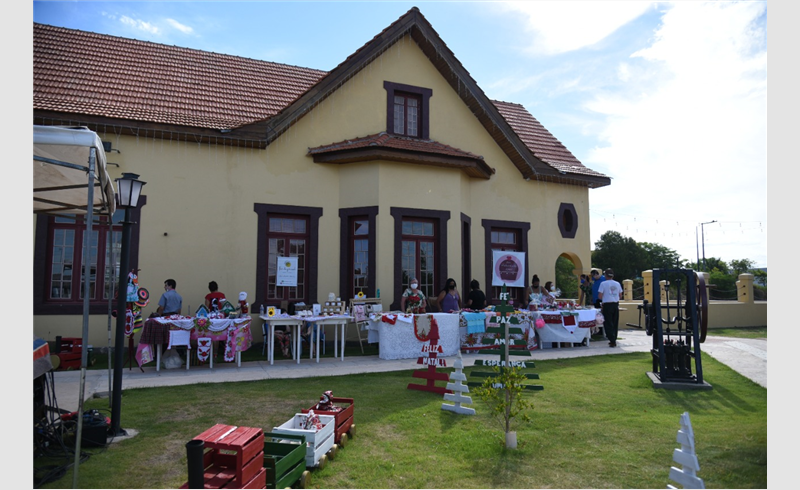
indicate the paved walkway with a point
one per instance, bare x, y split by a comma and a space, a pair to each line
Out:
746, 356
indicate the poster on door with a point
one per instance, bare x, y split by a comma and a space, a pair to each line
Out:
508, 268
287, 271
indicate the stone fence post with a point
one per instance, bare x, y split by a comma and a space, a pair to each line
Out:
744, 288
627, 290
647, 280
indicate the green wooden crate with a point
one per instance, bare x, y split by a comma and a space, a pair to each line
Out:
284, 460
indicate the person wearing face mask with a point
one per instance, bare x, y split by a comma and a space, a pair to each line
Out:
449, 299
413, 290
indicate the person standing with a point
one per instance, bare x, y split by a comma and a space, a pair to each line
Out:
449, 299
214, 299
609, 295
170, 302
476, 299
597, 280
586, 290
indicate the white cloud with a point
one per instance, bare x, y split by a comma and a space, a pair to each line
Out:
560, 26
686, 134
181, 27
140, 25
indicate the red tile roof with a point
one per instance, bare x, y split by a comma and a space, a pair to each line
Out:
83, 73
100, 75
540, 141
396, 142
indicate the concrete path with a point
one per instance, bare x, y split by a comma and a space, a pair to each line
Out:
746, 356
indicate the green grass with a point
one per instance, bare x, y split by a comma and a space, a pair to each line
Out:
599, 423
741, 332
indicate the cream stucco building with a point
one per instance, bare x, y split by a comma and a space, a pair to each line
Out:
393, 164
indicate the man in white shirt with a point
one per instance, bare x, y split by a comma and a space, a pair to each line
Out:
609, 295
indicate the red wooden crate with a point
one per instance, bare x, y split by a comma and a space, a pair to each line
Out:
234, 456
343, 418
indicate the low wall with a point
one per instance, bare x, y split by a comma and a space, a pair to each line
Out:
721, 314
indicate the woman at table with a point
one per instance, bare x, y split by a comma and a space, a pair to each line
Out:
449, 299
536, 293
476, 299
214, 298
586, 291
413, 290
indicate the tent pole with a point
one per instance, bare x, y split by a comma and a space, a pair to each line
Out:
85, 334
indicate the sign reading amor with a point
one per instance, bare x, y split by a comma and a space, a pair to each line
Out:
508, 268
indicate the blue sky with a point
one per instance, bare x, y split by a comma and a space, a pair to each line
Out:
668, 99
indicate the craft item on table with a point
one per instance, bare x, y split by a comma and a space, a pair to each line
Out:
331, 297
360, 295
271, 311
243, 308
539, 323
326, 403
312, 422
569, 320
179, 337
476, 322
389, 318
201, 323
414, 304
227, 308
202, 311
203, 348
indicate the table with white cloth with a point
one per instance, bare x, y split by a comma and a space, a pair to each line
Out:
396, 338
472, 334
235, 332
572, 326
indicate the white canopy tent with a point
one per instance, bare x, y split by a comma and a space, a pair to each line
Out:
61, 159
68, 163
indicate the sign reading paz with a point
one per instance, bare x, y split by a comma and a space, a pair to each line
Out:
504, 346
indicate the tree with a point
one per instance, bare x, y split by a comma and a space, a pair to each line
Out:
741, 266
658, 256
620, 253
565, 278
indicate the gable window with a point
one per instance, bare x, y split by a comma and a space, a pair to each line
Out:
407, 110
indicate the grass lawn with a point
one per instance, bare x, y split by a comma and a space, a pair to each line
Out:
599, 423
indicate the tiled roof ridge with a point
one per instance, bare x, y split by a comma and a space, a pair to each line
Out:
174, 46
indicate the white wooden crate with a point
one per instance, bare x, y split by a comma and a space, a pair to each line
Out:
318, 442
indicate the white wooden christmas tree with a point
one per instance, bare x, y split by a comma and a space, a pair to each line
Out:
457, 386
686, 457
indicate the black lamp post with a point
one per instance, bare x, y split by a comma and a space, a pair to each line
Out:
703, 236
129, 188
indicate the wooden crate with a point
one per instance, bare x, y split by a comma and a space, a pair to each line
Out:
285, 460
344, 417
234, 457
319, 442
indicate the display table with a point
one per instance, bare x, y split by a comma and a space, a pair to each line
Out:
282, 320
397, 340
338, 322
472, 339
566, 326
235, 332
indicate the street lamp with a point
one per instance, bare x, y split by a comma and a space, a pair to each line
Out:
129, 188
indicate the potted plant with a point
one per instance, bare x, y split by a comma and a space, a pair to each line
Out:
503, 394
